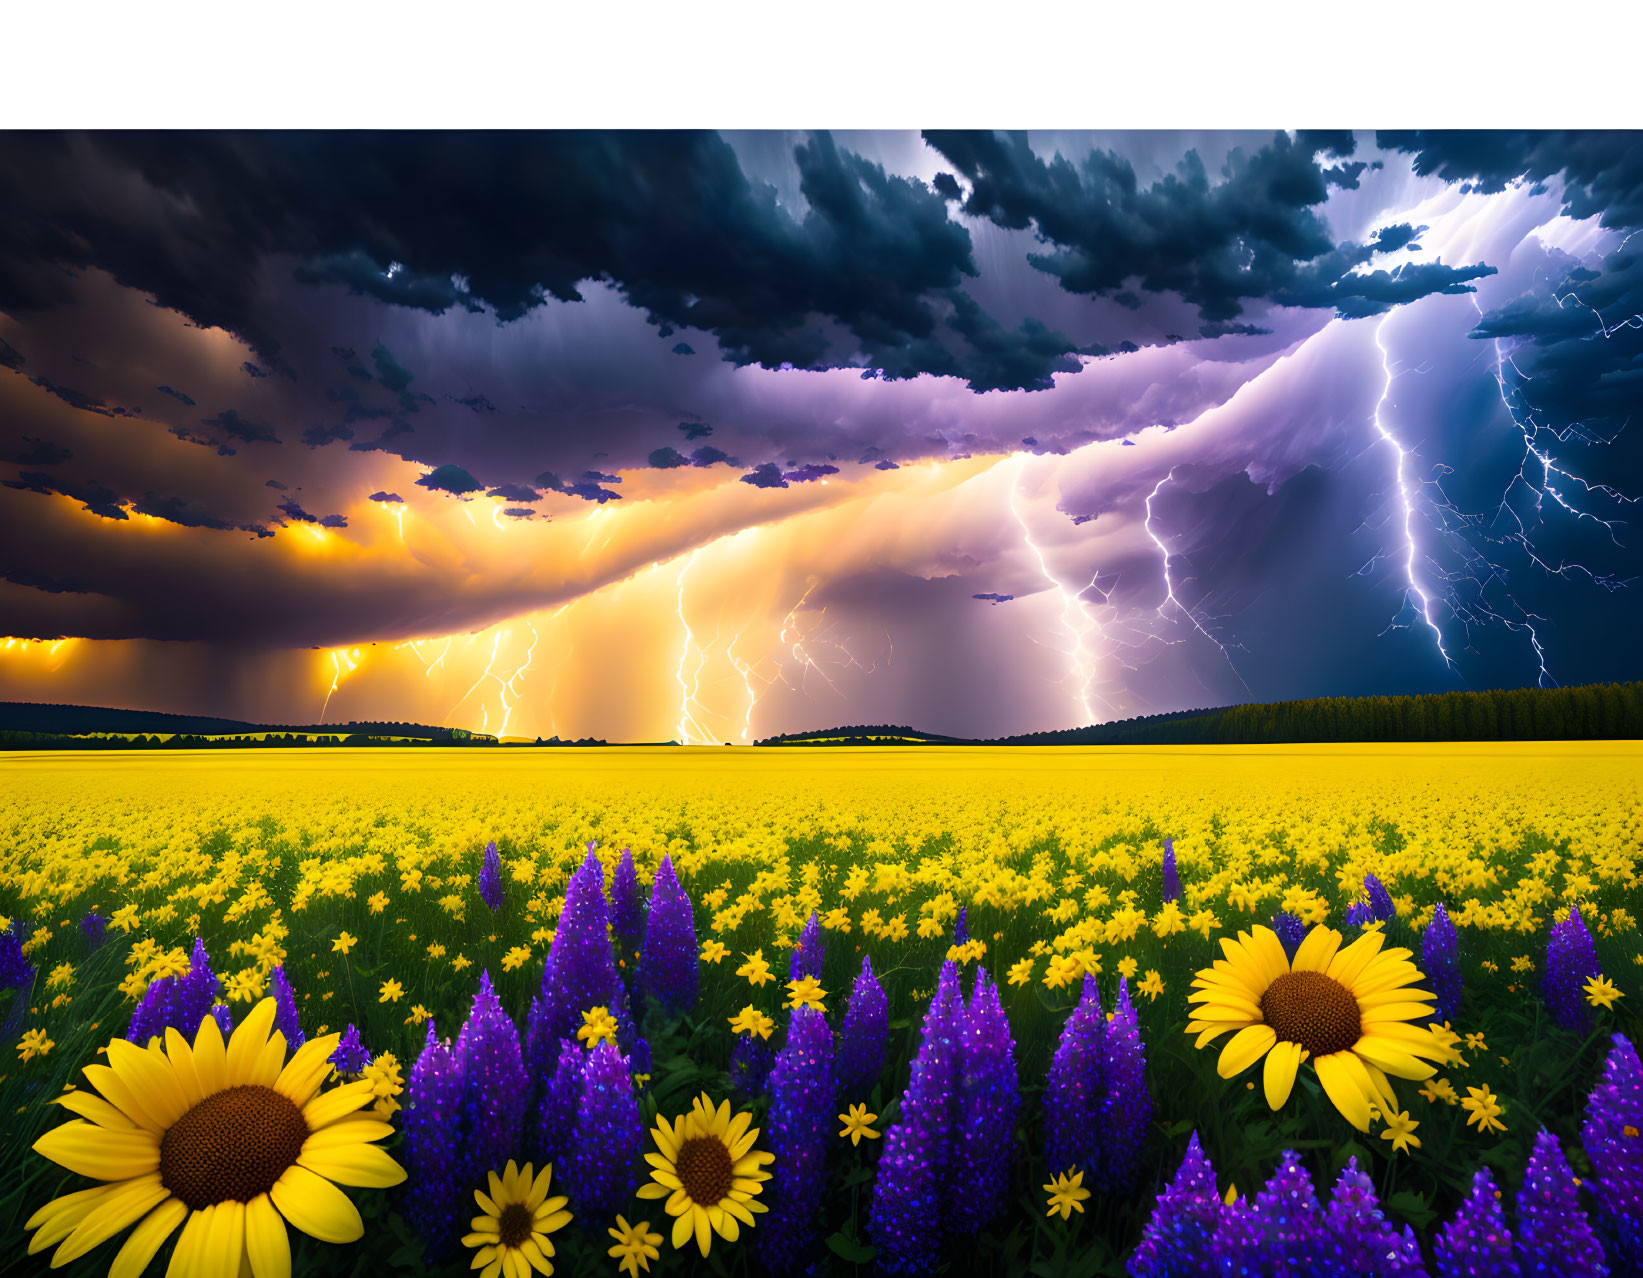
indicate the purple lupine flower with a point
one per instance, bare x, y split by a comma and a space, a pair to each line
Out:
1126, 1107
285, 1009
668, 968
961, 926
225, 1021
1440, 962
1179, 1239
94, 926
1172, 876
908, 1219
1380, 900
1076, 1088
799, 1129
15, 970
1571, 961
580, 971
350, 1056
561, 1093
639, 1058
595, 1166
1614, 1110
495, 1089
627, 915
433, 1149
1359, 1238
809, 954
179, 1002
1291, 930
989, 1101
490, 878
860, 1057
750, 1064
1553, 1234
1359, 913
1477, 1241
1293, 1230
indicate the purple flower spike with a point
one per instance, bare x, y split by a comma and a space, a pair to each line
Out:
669, 967
860, 1057
809, 954
1076, 1088
495, 1089
1126, 1107
1476, 1242
1172, 876
285, 1009
800, 1133
750, 1063
1571, 961
1291, 931
16, 972
908, 1217
989, 1100
580, 972
179, 1002
433, 1149
1616, 1109
490, 879
350, 1056
94, 926
596, 1165
961, 926
1440, 962
1180, 1237
1380, 900
1359, 1235
627, 914
556, 1115
1553, 1235
1294, 1232
1359, 913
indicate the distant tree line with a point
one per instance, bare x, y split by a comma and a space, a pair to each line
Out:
859, 734
1587, 712
12, 740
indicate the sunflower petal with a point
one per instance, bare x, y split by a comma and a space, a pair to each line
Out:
122, 1207
336, 1104
1347, 1086
266, 1243
100, 1153
1248, 1045
363, 1166
1278, 1075
210, 1059
246, 1046
148, 1238
316, 1206
308, 1067
184, 1255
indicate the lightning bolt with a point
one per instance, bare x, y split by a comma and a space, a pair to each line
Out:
1169, 583
1406, 500
340, 658
1073, 611
687, 720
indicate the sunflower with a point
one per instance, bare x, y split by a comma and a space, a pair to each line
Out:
707, 1169
229, 1141
1351, 1011
512, 1235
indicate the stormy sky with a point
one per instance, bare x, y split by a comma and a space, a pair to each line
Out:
709, 436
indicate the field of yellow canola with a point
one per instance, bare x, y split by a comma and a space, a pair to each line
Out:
356, 873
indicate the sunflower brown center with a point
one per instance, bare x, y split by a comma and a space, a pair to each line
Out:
704, 1168
1314, 1010
232, 1146
515, 1224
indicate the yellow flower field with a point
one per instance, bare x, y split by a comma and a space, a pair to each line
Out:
356, 872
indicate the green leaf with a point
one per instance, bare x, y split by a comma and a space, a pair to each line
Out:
849, 1248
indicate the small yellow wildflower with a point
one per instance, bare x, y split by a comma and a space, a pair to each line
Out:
750, 1020
1484, 1109
1067, 1195
755, 969
713, 951
806, 992
1022, 972
344, 943
1400, 1130
34, 1043
390, 992
1601, 992
856, 1124
635, 1246
597, 1024
1152, 986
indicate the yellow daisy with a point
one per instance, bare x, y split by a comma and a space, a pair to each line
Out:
709, 1172
223, 1140
1354, 1012
512, 1235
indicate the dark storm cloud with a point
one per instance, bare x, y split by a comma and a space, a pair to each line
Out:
450, 479
177, 395
695, 430
9, 356
1602, 169
1256, 235
91, 494
515, 492
809, 473
319, 436
292, 509
230, 423
177, 511
76, 399
667, 459
993, 597
768, 475
389, 497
